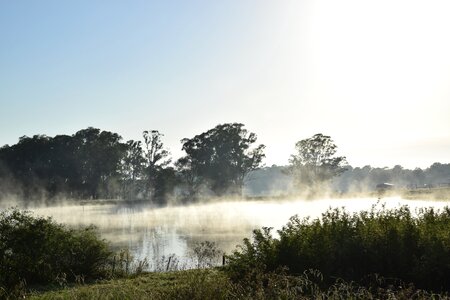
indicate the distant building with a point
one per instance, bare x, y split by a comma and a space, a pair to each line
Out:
384, 186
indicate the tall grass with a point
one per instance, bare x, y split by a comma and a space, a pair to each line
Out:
214, 284
394, 243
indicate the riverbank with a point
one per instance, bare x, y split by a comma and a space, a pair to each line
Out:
442, 194
436, 193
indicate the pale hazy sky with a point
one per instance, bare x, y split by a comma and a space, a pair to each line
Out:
375, 75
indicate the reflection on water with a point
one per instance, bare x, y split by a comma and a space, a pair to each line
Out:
151, 233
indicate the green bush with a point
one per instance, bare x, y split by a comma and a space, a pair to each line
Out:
36, 250
392, 243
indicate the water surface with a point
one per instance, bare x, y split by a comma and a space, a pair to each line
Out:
152, 233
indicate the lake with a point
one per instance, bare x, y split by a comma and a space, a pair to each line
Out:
154, 233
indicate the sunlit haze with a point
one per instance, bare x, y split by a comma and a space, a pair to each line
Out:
374, 75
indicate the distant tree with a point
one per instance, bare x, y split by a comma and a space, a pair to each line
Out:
315, 162
132, 170
418, 177
7, 180
156, 160
28, 162
165, 182
380, 175
188, 174
64, 174
82, 165
438, 173
220, 158
270, 181
133, 162
98, 154
399, 176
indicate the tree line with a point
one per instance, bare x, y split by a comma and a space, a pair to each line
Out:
97, 164
363, 179
276, 180
93, 164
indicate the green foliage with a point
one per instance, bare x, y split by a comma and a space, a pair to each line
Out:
98, 155
190, 284
89, 164
83, 165
206, 254
157, 159
36, 250
315, 161
132, 170
259, 255
214, 284
144, 169
220, 158
393, 243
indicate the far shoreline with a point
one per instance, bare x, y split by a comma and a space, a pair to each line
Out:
430, 194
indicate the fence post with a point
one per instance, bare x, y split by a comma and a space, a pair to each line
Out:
168, 263
114, 265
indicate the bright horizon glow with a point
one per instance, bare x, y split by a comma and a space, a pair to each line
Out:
374, 75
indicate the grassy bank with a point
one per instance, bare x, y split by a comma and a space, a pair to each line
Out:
215, 284
189, 284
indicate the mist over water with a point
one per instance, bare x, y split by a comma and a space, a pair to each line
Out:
151, 233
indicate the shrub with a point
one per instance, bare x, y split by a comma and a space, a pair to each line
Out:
36, 250
392, 243
206, 254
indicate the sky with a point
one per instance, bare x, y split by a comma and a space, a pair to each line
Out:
374, 75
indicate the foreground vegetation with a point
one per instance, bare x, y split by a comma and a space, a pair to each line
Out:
392, 243
215, 284
38, 251
373, 254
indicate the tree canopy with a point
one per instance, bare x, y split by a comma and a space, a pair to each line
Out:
221, 158
83, 164
145, 172
93, 164
315, 162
